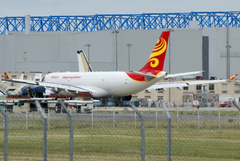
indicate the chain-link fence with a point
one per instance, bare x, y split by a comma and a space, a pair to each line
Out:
114, 134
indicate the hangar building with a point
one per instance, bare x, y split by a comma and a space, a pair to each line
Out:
192, 47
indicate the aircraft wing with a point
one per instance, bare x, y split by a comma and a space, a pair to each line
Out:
163, 85
21, 81
182, 84
55, 86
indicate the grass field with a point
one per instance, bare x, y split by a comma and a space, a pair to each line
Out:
120, 143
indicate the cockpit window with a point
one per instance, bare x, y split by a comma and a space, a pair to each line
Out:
43, 79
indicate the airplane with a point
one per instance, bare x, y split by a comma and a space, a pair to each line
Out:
119, 85
4, 87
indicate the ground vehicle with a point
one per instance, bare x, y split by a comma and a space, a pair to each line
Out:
26, 101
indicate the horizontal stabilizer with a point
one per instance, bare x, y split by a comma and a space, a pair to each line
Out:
182, 74
143, 74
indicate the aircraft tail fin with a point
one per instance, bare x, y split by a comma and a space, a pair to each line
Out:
5, 75
157, 57
83, 64
22, 76
232, 77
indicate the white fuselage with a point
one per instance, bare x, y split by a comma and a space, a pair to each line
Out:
102, 84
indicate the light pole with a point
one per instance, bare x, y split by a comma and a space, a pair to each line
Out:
88, 45
129, 45
228, 52
116, 31
169, 49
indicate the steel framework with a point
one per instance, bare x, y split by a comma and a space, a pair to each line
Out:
147, 21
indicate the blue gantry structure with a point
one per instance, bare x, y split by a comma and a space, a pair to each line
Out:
145, 21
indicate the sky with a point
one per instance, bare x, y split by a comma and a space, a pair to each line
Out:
91, 7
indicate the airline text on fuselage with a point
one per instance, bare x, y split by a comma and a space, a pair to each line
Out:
71, 77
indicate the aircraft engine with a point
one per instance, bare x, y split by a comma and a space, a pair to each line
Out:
126, 98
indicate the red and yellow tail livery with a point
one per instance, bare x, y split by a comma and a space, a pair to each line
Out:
155, 62
5, 75
157, 57
232, 77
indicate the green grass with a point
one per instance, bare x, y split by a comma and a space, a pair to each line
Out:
122, 142
191, 112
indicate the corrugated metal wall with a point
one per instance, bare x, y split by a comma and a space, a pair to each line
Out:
57, 51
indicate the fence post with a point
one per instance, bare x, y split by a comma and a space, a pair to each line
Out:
114, 118
48, 119
26, 118
135, 119
5, 134
92, 117
156, 118
198, 118
177, 118
235, 104
71, 130
168, 130
219, 119
44, 130
142, 131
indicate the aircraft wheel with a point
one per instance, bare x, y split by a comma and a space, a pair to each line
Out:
57, 108
78, 109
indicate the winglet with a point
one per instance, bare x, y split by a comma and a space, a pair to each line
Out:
232, 77
5, 75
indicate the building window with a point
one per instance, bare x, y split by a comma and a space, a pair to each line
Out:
160, 90
160, 97
185, 88
211, 87
198, 87
147, 91
2, 77
147, 97
237, 88
224, 88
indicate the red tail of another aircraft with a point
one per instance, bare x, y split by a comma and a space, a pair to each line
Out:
5, 75
232, 77
156, 59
